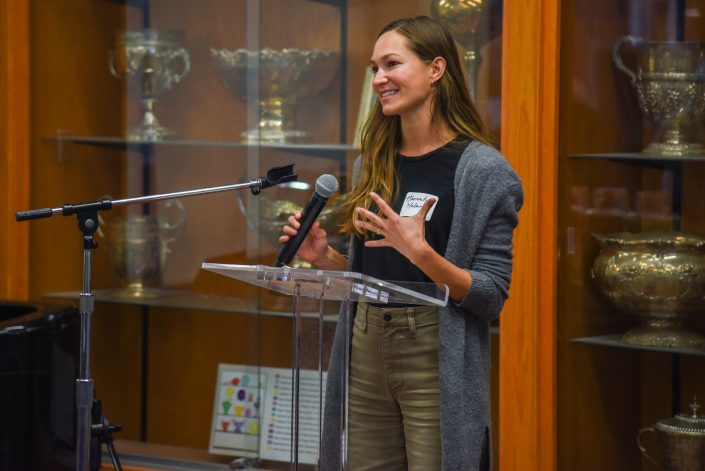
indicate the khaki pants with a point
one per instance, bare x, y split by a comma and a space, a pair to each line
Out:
394, 404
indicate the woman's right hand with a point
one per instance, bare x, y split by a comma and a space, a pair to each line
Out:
314, 245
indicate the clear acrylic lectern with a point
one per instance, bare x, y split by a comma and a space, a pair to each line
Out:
332, 286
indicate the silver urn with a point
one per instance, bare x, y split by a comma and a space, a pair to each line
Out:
659, 276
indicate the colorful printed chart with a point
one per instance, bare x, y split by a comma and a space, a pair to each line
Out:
238, 409
252, 421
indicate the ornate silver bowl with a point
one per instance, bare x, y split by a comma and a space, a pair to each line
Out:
659, 276
285, 76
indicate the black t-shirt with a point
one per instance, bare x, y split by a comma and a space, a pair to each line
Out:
431, 174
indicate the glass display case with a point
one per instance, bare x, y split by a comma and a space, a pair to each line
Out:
137, 97
627, 189
631, 232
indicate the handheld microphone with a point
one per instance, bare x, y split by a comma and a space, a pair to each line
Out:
326, 185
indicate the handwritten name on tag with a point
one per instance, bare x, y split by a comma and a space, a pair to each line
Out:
413, 202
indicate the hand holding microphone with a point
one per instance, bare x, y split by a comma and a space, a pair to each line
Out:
326, 186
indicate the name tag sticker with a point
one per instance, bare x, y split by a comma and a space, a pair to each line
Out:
413, 202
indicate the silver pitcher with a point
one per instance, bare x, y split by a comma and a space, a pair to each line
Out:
139, 245
681, 439
659, 276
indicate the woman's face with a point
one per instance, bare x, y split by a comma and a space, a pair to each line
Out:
402, 82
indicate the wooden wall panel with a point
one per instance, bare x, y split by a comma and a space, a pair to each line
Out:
527, 415
72, 93
14, 148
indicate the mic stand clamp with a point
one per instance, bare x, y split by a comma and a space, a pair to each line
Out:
102, 432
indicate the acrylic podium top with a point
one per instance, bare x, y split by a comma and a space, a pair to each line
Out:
334, 285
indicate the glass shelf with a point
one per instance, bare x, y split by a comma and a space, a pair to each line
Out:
188, 300
145, 3
337, 151
638, 157
614, 341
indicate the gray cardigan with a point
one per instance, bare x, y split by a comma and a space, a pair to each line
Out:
488, 195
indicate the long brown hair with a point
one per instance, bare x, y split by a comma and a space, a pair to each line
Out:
381, 135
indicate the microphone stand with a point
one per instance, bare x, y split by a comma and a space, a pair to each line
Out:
87, 214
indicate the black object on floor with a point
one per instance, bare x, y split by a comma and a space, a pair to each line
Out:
39, 356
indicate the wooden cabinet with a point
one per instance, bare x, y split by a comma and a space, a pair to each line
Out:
154, 359
608, 184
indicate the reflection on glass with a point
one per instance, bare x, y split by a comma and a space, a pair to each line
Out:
654, 209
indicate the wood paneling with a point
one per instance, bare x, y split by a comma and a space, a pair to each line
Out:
527, 416
14, 148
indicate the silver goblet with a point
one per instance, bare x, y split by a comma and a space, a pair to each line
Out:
659, 276
285, 76
152, 62
670, 85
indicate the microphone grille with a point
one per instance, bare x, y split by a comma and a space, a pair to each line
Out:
326, 185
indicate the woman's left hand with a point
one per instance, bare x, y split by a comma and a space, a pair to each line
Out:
405, 234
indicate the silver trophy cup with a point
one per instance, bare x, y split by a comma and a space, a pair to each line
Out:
152, 62
139, 245
670, 84
285, 76
463, 18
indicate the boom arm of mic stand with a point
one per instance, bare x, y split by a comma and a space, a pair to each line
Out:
275, 176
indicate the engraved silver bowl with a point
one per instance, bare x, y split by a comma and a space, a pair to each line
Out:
659, 276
